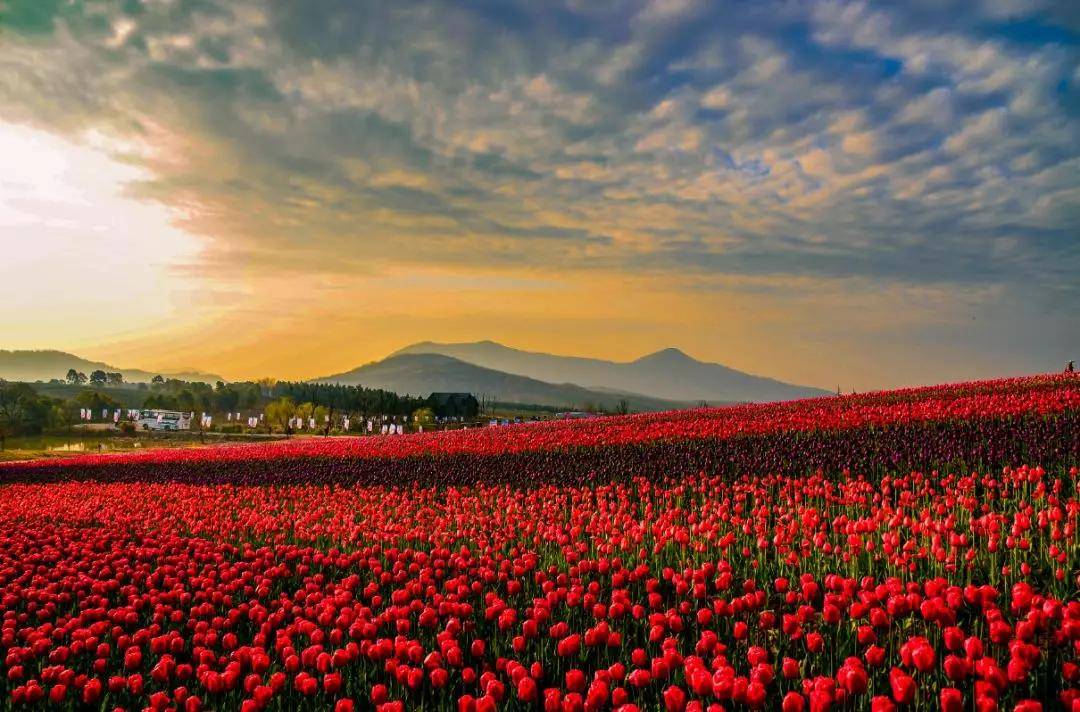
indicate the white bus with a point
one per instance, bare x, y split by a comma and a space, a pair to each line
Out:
163, 420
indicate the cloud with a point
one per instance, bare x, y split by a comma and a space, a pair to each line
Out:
912, 143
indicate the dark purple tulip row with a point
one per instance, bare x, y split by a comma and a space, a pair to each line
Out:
981, 442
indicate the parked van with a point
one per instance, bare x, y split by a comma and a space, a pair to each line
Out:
164, 420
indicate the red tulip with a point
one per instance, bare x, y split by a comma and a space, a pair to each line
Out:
951, 700
793, 702
881, 703
674, 699
526, 689
903, 686
503, 562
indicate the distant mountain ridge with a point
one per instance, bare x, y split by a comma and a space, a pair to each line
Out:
668, 374
29, 365
663, 380
424, 373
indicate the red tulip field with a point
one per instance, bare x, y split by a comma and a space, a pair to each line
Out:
902, 550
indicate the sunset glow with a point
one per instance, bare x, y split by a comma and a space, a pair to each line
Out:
830, 192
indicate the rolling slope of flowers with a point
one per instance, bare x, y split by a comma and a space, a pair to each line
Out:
980, 422
938, 570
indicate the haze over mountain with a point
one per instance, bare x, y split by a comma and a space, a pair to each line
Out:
669, 374
45, 365
424, 373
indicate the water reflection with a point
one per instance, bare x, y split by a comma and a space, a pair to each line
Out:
23, 447
61, 444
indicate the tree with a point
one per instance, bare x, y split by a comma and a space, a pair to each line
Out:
623, 407
304, 411
80, 378
225, 398
453, 405
95, 401
98, 377
60, 416
73, 376
280, 412
114, 379
424, 416
249, 395
320, 414
185, 401
158, 380
266, 385
160, 401
21, 410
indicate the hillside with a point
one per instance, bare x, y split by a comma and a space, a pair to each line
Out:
45, 365
669, 374
421, 374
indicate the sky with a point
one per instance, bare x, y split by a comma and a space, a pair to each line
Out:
846, 194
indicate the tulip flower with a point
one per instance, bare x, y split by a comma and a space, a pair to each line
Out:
711, 559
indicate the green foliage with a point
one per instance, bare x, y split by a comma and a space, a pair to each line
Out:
22, 410
453, 404
349, 399
278, 400
323, 399
279, 412
95, 400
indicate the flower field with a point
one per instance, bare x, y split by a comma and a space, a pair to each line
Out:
905, 550
1005, 421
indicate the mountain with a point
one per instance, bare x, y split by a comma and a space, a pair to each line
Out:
423, 373
668, 374
45, 365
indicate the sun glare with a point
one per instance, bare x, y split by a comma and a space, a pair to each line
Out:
75, 245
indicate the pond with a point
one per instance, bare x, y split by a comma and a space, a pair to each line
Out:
70, 443
23, 447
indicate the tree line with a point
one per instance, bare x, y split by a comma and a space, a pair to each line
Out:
172, 394
24, 411
98, 377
